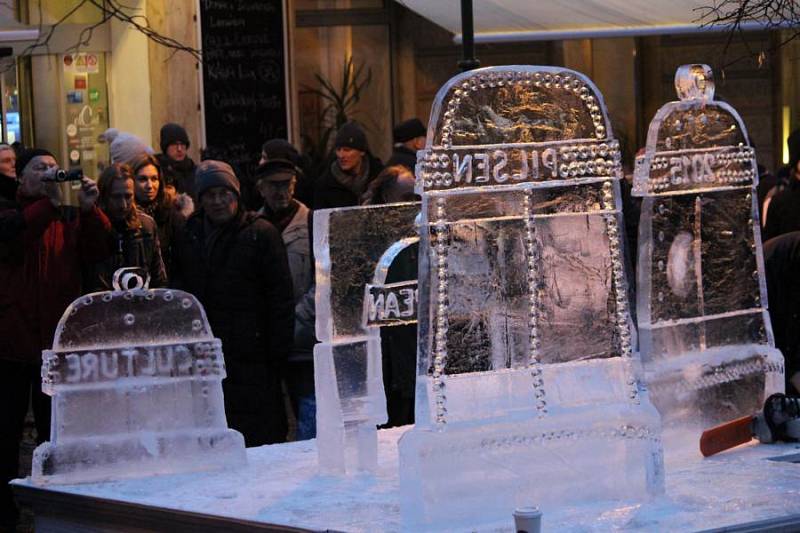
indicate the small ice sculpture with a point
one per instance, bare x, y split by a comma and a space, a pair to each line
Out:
354, 248
705, 334
136, 380
528, 382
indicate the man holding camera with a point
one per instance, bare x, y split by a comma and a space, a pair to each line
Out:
43, 244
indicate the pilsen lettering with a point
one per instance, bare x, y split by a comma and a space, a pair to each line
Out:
391, 304
94, 366
500, 166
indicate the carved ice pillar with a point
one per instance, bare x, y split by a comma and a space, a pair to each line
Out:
354, 248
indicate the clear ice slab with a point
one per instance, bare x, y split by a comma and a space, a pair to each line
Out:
354, 248
135, 377
528, 383
704, 330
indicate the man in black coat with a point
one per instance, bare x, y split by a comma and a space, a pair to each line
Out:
176, 165
782, 264
235, 263
349, 175
409, 136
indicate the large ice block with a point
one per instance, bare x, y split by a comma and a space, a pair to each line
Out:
528, 380
354, 249
704, 329
136, 380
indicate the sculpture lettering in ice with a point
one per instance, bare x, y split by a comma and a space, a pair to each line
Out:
528, 381
136, 380
354, 249
705, 334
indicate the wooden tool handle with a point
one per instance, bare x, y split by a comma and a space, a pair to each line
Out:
727, 435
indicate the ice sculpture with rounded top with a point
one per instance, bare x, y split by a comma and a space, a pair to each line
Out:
528, 380
135, 376
704, 329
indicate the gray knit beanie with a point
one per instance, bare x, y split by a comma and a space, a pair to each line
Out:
125, 147
210, 173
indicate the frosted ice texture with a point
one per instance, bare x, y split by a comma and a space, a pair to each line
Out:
136, 383
702, 305
528, 382
354, 248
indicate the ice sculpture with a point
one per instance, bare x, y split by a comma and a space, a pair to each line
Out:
136, 380
354, 248
705, 335
528, 383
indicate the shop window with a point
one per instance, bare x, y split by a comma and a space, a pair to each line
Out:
11, 130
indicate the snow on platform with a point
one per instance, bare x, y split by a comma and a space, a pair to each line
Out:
281, 485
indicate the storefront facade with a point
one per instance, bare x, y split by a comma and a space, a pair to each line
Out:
62, 97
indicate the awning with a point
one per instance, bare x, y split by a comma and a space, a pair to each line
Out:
532, 20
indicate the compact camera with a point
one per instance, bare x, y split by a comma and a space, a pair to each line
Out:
61, 175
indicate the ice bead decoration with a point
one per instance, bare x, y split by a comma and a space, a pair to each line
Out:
528, 384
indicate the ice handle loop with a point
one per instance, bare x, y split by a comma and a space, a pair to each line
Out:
694, 82
130, 278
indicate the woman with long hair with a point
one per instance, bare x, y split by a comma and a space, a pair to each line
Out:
169, 209
134, 236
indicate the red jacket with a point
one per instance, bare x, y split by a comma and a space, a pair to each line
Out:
42, 249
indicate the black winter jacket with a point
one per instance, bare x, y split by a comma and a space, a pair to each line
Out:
132, 244
329, 193
243, 281
179, 174
782, 265
783, 213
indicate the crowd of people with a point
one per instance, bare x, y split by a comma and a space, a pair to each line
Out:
186, 225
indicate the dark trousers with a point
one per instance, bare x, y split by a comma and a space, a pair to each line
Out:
19, 383
300, 384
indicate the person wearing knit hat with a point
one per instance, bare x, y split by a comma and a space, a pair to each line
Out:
409, 136
173, 138
27, 156
124, 147
176, 165
234, 261
212, 173
45, 246
350, 173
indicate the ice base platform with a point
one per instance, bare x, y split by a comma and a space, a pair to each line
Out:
150, 453
468, 473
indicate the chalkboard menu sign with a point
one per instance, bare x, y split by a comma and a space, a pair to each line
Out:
244, 78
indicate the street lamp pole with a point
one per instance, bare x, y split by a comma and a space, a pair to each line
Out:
469, 61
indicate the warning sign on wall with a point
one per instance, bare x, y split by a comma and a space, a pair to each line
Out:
81, 63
